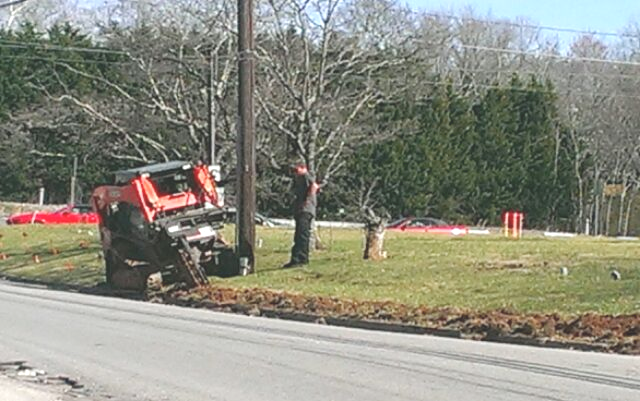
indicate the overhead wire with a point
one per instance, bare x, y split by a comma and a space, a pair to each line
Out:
444, 82
61, 60
10, 3
45, 47
53, 47
59, 48
463, 69
435, 83
548, 55
525, 71
530, 26
11, 44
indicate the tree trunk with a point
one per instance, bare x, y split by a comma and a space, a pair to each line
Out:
628, 216
315, 242
603, 213
580, 223
607, 222
623, 197
596, 206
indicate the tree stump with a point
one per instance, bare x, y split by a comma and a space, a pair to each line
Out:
374, 237
315, 242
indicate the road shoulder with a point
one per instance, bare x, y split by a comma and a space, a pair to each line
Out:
15, 390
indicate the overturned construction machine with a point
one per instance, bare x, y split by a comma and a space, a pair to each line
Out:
159, 225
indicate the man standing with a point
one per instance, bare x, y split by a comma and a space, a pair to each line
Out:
304, 211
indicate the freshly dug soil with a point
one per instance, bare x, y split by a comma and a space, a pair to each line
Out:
620, 334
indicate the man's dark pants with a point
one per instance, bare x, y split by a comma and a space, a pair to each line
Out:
300, 250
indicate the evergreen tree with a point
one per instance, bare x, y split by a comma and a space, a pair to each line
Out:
39, 138
470, 159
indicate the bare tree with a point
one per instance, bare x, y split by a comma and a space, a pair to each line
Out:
42, 13
324, 66
159, 103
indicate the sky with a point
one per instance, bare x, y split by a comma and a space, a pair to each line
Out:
591, 15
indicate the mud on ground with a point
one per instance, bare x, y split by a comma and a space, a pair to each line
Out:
619, 334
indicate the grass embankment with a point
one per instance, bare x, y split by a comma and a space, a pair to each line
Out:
477, 273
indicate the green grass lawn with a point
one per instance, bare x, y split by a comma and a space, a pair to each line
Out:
480, 273
78, 261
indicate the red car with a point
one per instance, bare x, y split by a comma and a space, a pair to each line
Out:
427, 225
71, 214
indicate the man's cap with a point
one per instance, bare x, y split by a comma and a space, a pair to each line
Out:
299, 168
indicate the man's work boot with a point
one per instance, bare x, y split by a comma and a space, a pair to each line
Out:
293, 264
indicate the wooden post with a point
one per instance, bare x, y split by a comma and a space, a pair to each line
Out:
72, 192
245, 143
213, 74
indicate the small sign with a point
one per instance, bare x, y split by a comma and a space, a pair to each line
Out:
613, 189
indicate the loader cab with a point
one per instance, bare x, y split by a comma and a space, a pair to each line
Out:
165, 175
163, 189
173, 183
168, 178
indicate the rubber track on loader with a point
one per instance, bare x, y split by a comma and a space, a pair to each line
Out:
196, 274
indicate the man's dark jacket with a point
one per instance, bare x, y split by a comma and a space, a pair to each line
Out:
305, 198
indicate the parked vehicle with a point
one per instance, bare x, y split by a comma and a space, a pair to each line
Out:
260, 219
70, 214
428, 225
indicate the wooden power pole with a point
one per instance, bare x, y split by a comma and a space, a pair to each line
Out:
245, 143
72, 185
213, 76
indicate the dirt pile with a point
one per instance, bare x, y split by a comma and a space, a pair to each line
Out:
619, 334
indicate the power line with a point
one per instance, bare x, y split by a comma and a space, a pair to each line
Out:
11, 3
48, 47
55, 59
542, 73
436, 83
531, 26
62, 60
51, 47
548, 55
445, 71
530, 90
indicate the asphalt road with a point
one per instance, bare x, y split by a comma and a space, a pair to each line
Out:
127, 350
15, 390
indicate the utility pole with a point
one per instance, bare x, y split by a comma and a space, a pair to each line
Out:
213, 74
72, 192
245, 143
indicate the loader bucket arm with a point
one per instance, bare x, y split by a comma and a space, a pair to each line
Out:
206, 183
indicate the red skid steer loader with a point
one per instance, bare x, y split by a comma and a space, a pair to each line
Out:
160, 225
